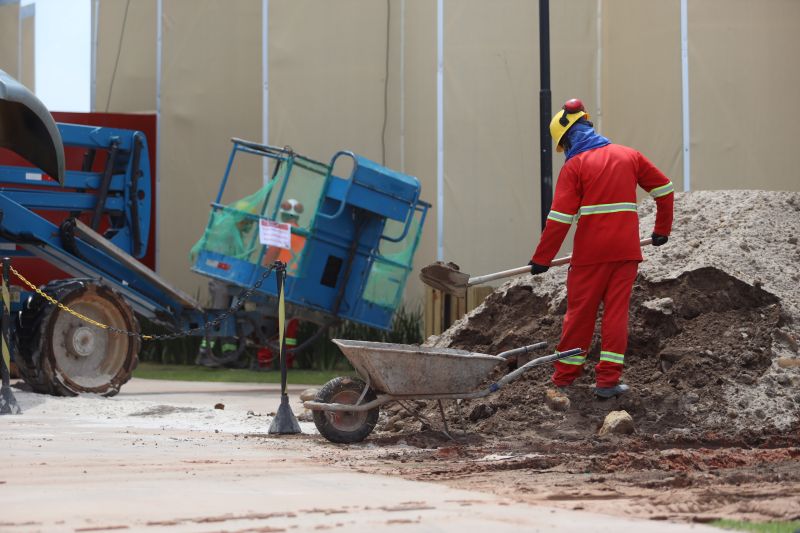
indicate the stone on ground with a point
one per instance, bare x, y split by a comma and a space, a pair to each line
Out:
618, 423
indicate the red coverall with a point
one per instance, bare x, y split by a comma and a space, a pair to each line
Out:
265, 354
598, 189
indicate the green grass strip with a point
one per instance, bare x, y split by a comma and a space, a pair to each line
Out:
759, 527
232, 375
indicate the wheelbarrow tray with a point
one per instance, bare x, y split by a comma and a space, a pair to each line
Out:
409, 370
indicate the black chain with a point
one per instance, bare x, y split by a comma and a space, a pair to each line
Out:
239, 302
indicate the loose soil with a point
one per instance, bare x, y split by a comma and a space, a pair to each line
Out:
712, 362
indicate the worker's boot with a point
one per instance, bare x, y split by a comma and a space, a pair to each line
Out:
610, 392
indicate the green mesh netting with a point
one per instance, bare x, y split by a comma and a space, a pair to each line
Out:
233, 229
388, 274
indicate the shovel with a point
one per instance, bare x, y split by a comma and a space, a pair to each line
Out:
447, 278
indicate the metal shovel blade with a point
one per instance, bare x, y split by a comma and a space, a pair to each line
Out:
27, 128
445, 277
448, 278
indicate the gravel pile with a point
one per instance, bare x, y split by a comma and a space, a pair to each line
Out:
714, 329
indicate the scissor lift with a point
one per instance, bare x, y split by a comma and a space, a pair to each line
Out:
356, 241
359, 233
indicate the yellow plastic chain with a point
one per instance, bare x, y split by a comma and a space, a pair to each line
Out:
67, 309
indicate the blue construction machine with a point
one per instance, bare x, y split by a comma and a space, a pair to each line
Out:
346, 230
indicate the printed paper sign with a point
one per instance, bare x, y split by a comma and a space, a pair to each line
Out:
275, 234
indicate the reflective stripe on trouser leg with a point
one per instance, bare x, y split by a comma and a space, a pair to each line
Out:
229, 347
205, 347
584, 291
612, 357
614, 331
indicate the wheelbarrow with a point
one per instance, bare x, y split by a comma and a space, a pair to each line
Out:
346, 409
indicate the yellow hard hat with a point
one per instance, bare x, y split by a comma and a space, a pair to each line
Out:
570, 113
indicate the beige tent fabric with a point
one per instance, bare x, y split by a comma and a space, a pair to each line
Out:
327, 73
331, 88
744, 85
641, 80
126, 56
9, 38
418, 89
491, 139
211, 91
28, 64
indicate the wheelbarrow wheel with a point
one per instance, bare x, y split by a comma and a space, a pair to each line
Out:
345, 427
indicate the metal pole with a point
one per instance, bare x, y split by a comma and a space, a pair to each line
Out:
8, 403
545, 106
687, 160
265, 87
280, 273
440, 130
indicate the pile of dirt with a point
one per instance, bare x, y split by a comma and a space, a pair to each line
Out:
714, 328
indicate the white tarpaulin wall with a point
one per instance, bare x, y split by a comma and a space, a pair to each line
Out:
329, 90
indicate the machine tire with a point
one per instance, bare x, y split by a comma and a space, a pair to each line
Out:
63, 355
345, 427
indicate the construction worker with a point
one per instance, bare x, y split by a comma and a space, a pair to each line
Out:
289, 213
597, 188
265, 355
229, 346
235, 231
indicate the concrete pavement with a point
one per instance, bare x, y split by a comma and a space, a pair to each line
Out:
159, 457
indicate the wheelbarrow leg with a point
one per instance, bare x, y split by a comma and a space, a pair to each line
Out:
446, 430
461, 418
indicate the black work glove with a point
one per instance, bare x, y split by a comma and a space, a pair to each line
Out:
537, 269
658, 240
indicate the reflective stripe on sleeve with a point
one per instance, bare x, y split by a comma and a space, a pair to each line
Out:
612, 357
601, 209
291, 342
561, 217
664, 190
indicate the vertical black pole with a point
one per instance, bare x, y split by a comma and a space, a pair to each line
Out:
8, 403
280, 274
546, 163
284, 423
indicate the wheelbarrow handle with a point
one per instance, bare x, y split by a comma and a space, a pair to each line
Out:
525, 349
511, 376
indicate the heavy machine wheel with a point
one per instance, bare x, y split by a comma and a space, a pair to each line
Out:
64, 355
345, 426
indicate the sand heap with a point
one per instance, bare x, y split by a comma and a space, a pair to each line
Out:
714, 329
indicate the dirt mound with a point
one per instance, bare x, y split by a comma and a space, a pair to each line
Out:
713, 350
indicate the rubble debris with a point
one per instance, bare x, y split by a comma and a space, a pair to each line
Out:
618, 423
556, 400
711, 329
309, 394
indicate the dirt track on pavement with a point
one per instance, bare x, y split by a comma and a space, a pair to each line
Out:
160, 458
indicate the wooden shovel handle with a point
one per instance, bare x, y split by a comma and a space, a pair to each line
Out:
477, 280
